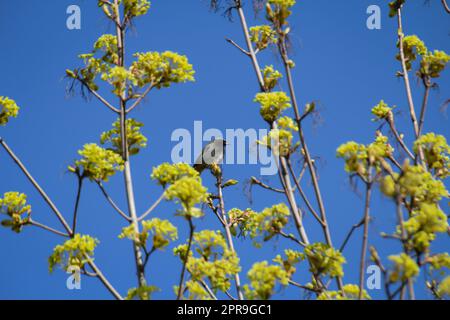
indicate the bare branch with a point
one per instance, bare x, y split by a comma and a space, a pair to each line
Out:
47, 228
237, 46
446, 7
183, 270
391, 123
153, 207
229, 236
112, 203
291, 237
254, 180
208, 289
36, 186
98, 96
77, 202
103, 279
139, 100
362, 265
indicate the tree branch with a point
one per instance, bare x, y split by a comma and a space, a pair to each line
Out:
47, 228
139, 100
103, 279
238, 47
446, 7
153, 207
112, 203
263, 185
98, 96
36, 186
366, 220
228, 232
77, 202
183, 270
390, 121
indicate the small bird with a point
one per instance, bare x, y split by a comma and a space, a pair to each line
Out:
212, 154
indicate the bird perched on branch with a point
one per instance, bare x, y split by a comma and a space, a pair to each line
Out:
212, 155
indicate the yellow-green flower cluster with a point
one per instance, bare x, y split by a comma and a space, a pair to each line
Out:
439, 261
184, 186
412, 46
135, 139
167, 173
436, 152
263, 280
97, 164
263, 36
403, 269
271, 77
349, 292
433, 63
266, 224
216, 263
195, 291
272, 105
325, 260
414, 182
74, 252
425, 222
161, 69
279, 141
278, 11
358, 157
287, 123
107, 44
443, 290
14, 205
141, 293
381, 111
162, 232
188, 191
8, 109
291, 259
135, 8
120, 78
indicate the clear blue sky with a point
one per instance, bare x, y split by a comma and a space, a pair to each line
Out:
339, 63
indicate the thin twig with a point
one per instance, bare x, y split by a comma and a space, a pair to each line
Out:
446, 7
112, 203
291, 237
390, 121
183, 270
36, 186
139, 100
208, 289
298, 285
265, 186
303, 195
42, 226
424, 105
237, 46
350, 233
228, 232
77, 203
98, 96
103, 279
153, 207
362, 264
230, 296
